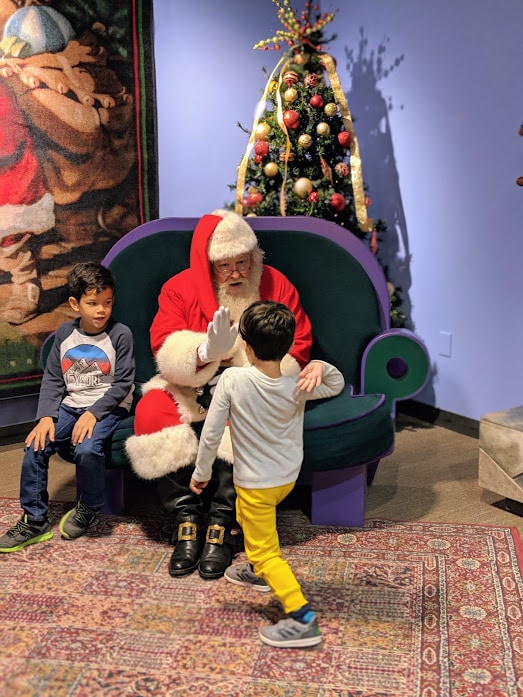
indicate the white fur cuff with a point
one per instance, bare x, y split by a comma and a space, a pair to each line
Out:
156, 454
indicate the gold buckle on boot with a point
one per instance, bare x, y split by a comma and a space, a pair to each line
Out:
215, 534
187, 531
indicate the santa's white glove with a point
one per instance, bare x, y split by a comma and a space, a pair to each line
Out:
220, 337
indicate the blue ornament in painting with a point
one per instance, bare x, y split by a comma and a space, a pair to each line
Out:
40, 29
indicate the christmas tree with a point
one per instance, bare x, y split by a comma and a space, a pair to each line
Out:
302, 156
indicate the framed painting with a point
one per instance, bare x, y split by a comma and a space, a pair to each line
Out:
78, 157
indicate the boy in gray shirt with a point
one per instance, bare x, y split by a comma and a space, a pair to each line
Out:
86, 390
265, 411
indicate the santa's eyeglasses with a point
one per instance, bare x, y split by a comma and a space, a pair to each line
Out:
227, 268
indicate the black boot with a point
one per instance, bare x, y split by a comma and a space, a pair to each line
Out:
218, 551
189, 542
188, 532
220, 544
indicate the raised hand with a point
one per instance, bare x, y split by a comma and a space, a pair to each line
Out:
220, 336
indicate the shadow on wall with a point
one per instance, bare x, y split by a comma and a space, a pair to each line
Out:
366, 67
370, 110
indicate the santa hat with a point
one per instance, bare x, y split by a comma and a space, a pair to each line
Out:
231, 237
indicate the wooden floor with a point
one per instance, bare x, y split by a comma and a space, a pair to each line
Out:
431, 476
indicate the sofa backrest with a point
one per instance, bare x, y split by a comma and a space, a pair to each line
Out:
341, 286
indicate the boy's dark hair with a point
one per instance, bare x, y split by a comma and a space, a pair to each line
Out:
88, 276
268, 327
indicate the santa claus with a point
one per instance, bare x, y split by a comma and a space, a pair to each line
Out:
193, 338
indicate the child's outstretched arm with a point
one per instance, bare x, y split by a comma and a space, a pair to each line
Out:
311, 376
210, 438
319, 380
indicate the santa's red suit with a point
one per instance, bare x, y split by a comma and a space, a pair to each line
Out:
169, 416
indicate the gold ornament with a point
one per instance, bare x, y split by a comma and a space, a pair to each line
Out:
271, 169
302, 187
305, 141
262, 131
291, 95
323, 129
330, 109
300, 58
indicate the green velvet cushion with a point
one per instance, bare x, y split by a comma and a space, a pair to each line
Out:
346, 431
123, 432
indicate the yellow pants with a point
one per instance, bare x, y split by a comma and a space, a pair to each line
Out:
256, 513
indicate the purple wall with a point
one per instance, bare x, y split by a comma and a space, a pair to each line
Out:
436, 98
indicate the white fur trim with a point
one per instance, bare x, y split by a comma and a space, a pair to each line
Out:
176, 359
37, 217
155, 455
155, 383
289, 365
231, 237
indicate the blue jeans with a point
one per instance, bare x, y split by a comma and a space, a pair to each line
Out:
89, 458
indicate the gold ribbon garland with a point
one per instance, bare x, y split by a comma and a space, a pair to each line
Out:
281, 124
364, 222
242, 169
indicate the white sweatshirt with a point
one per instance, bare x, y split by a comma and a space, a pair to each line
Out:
266, 421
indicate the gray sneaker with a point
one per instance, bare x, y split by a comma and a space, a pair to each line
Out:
25, 533
243, 575
76, 522
289, 633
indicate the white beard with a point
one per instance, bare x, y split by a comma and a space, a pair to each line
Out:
237, 303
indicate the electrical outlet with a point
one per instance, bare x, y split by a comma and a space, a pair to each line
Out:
445, 344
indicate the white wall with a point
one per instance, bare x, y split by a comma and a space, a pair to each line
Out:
440, 162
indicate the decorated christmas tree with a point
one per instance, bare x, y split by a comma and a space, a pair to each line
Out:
302, 156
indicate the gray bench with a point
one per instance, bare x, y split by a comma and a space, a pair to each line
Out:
501, 453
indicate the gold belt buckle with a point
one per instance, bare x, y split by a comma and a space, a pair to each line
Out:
212, 538
187, 531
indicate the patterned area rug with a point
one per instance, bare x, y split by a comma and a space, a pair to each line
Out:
406, 609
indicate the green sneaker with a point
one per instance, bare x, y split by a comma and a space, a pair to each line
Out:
77, 521
25, 533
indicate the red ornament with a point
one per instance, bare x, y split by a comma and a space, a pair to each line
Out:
261, 148
258, 159
314, 197
316, 101
337, 202
254, 199
344, 139
311, 80
291, 118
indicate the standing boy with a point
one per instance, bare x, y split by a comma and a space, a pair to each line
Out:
86, 390
265, 413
